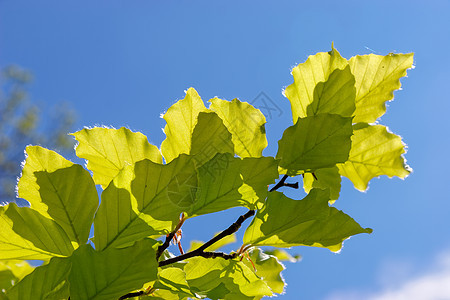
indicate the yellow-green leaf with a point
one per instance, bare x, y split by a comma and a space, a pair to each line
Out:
38, 159
47, 282
12, 271
315, 142
307, 75
375, 151
284, 222
227, 181
59, 190
210, 136
26, 234
108, 151
245, 123
336, 95
377, 77
181, 119
224, 279
145, 199
111, 273
323, 179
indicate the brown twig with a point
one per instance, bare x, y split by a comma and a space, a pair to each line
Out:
201, 250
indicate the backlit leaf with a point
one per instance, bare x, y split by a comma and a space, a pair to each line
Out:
324, 178
315, 142
219, 278
13, 271
284, 222
26, 234
377, 77
245, 123
60, 190
145, 199
268, 268
111, 273
228, 181
38, 159
307, 75
210, 136
174, 280
46, 282
181, 119
375, 151
109, 150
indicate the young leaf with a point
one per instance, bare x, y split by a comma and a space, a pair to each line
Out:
315, 142
108, 151
181, 119
268, 268
284, 222
209, 137
145, 199
219, 278
46, 282
227, 181
375, 151
323, 179
335, 96
245, 123
26, 234
377, 77
307, 75
111, 273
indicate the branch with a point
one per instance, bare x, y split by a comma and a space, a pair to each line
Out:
201, 250
169, 237
282, 183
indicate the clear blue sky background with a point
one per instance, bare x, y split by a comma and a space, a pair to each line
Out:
123, 63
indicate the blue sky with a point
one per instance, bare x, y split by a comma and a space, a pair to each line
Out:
123, 63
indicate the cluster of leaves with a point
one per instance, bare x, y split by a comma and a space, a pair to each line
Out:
212, 161
21, 124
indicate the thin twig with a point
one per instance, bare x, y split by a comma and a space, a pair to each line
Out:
201, 250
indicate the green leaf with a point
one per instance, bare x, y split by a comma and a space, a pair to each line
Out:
181, 119
246, 125
59, 190
111, 273
13, 271
145, 199
336, 95
375, 151
377, 77
174, 280
108, 151
315, 142
26, 234
38, 159
284, 222
227, 181
326, 178
210, 137
219, 278
46, 282
307, 75
268, 268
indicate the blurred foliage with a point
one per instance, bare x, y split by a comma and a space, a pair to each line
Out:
23, 121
